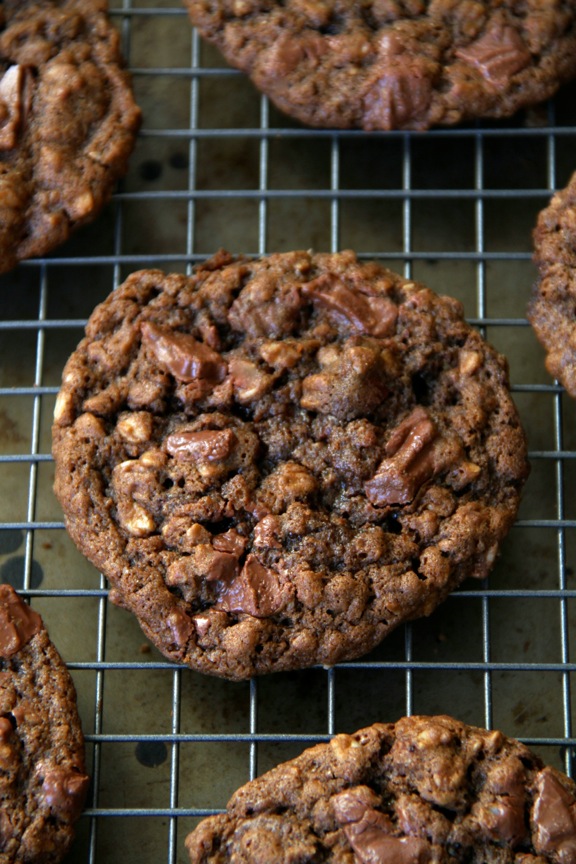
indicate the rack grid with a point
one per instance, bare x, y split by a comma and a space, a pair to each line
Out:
217, 165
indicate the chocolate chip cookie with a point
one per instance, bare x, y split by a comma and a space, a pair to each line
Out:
551, 310
42, 779
395, 64
275, 462
423, 790
67, 121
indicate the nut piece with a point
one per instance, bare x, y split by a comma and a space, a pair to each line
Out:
281, 355
128, 478
15, 98
289, 482
186, 358
349, 385
469, 362
64, 408
250, 382
136, 428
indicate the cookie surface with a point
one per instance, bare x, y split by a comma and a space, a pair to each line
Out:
384, 64
42, 782
423, 790
67, 121
275, 462
551, 310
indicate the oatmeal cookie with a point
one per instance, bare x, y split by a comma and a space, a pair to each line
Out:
42, 781
551, 310
275, 462
425, 790
67, 121
395, 64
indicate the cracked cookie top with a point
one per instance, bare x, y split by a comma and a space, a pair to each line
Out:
42, 778
424, 790
275, 462
67, 121
395, 64
551, 309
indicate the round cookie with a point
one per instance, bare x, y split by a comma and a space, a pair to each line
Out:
423, 790
551, 309
275, 462
384, 64
42, 781
67, 121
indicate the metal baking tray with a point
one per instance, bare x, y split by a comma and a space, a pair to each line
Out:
217, 166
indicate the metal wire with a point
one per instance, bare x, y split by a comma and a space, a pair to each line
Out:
480, 674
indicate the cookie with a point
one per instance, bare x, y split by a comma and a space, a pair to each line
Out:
42, 779
423, 790
384, 64
67, 121
551, 309
275, 462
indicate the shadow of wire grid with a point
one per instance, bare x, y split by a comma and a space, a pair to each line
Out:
216, 165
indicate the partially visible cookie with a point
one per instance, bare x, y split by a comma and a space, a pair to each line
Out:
383, 64
552, 309
42, 777
276, 462
426, 790
67, 121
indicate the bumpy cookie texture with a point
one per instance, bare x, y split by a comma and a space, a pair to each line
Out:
425, 790
395, 64
551, 310
67, 121
276, 462
42, 779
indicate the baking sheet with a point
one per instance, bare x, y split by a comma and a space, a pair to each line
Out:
216, 165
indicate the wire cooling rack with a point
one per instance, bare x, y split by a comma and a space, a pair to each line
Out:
216, 165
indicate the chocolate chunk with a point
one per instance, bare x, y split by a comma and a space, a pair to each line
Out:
499, 54
230, 541
372, 843
63, 791
211, 445
410, 461
18, 622
399, 95
183, 356
554, 819
256, 591
375, 316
